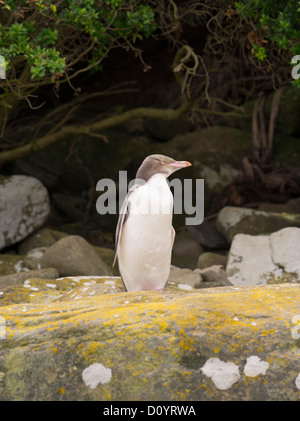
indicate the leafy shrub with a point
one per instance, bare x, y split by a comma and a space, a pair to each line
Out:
52, 36
278, 22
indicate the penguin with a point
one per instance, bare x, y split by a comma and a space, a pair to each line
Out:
144, 235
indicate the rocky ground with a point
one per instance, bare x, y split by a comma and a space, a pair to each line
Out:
227, 325
86, 339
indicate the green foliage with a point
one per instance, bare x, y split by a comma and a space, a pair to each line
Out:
278, 21
259, 52
50, 35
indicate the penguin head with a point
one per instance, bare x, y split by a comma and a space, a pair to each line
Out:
159, 164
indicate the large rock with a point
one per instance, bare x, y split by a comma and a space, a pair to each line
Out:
285, 247
187, 247
98, 343
234, 220
262, 259
214, 274
24, 207
186, 278
209, 259
37, 289
185, 251
43, 237
291, 206
207, 235
12, 263
15, 263
73, 255
21, 277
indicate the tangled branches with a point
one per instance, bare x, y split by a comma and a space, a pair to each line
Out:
183, 72
257, 178
60, 131
228, 71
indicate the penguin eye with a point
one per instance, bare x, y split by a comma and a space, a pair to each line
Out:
160, 161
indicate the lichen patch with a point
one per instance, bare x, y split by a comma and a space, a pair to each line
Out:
255, 366
223, 374
96, 373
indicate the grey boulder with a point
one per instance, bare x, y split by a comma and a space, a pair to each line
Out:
20, 277
235, 220
72, 256
263, 259
24, 207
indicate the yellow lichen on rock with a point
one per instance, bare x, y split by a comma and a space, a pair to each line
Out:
154, 343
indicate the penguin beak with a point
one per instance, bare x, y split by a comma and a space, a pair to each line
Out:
180, 164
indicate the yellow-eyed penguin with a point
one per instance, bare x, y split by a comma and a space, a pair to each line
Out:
144, 234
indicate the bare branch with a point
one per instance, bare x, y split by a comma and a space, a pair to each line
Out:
49, 139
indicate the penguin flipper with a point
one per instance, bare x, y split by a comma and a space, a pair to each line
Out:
124, 213
173, 233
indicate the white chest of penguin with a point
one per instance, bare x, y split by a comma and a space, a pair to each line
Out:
154, 198
147, 235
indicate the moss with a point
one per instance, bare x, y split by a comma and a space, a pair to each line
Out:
15, 380
284, 278
193, 360
10, 263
